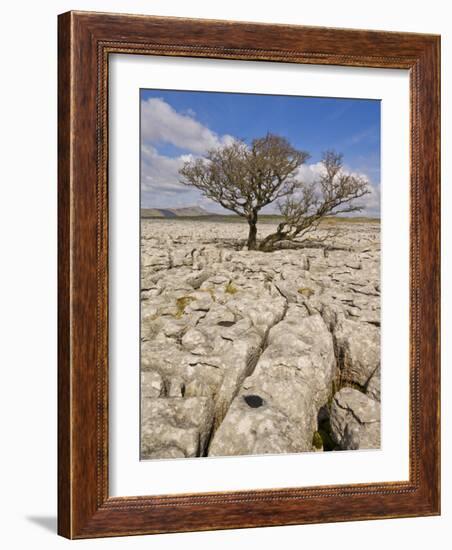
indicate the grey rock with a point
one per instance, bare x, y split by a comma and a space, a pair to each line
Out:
196, 279
373, 388
152, 384
176, 387
292, 379
195, 341
355, 420
219, 325
358, 350
175, 426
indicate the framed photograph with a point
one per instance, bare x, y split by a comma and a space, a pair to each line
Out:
248, 275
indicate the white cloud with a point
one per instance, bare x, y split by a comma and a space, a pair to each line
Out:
160, 183
161, 173
370, 203
308, 173
160, 123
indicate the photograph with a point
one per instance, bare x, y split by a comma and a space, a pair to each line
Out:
259, 274
249, 260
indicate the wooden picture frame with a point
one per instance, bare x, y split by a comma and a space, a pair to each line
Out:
85, 42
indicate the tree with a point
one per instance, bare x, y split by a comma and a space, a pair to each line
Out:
244, 178
333, 193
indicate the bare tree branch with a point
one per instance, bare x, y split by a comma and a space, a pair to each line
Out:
244, 178
332, 194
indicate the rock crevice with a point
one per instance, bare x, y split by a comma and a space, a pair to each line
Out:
249, 352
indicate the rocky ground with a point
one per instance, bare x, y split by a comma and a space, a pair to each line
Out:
247, 352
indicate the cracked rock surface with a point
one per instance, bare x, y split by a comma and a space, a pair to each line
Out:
355, 420
246, 352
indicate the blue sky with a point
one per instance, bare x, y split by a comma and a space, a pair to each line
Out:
179, 125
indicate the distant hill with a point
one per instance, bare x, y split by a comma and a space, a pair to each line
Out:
199, 212
186, 211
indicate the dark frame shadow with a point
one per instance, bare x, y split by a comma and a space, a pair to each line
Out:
49, 523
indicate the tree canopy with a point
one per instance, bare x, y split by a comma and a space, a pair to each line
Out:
245, 178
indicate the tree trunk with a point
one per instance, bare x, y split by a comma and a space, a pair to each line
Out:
268, 244
252, 235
